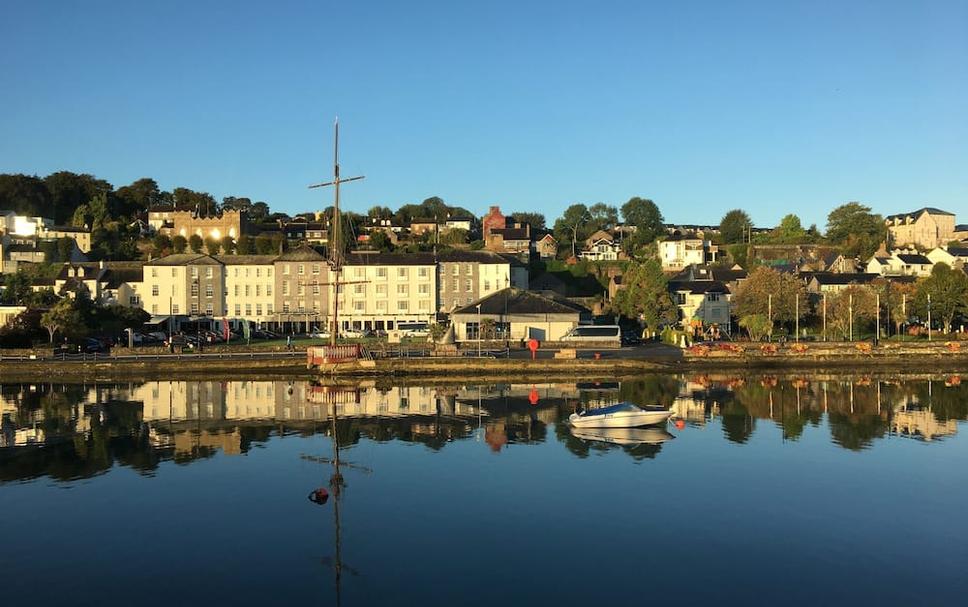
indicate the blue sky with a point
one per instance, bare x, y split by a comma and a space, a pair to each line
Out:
774, 107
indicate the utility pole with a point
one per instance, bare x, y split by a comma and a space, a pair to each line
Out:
877, 324
825, 316
796, 319
929, 317
769, 312
850, 315
335, 247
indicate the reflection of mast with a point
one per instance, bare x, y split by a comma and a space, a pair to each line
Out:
336, 485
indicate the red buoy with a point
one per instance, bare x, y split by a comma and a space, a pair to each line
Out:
319, 496
680, 424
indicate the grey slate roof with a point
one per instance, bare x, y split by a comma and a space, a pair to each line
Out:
930, 210
516, 301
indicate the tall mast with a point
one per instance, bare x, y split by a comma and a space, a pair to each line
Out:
335, 232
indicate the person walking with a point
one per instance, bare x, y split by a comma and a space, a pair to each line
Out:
289, 342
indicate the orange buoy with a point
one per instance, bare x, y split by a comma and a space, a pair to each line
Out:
319, 496
680, 424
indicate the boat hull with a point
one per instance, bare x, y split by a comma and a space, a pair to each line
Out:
622, 419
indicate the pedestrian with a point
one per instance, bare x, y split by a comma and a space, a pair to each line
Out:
289, 342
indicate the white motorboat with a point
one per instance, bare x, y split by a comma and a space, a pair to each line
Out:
625, 437
621, 415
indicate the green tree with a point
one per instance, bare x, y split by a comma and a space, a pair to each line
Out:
645, 216
646, 295
135, 198
161, 243
854, 305
179, 243
572, 227
772, 294
790, 231
62, 317
603, 216
734, 226
228, 245
757, 325
25, 194
948, 289
454, 236
380, 241
213, 245
195, 243
858, 231
379, 212
245, 245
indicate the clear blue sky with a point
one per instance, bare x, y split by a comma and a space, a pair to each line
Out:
703, 106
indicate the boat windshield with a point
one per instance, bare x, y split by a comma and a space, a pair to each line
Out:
617, 408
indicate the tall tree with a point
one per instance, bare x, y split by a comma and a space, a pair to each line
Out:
179, 243
645, 216
646, 295
62, 317
70, 190
603, 216
138, 196
772, 294
572, 227
734, 226
195, 243
790, 231
379, 212
213, 245
245, 245
855, 306
948, 289
24, 194
856, 229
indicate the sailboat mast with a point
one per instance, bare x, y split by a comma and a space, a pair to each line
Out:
334, 244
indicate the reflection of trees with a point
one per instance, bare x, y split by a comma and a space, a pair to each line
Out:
738, 424
945, 401
654, 389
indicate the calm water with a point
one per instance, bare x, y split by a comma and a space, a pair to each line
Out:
812, 490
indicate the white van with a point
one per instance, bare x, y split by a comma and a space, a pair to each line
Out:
598, 334
413, 329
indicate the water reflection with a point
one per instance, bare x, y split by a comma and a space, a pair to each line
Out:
68, 431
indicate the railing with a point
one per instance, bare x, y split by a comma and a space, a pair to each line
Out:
101, 357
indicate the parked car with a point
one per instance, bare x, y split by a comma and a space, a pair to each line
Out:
320, 334
353, 334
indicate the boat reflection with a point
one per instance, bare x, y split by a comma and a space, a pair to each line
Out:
625, 437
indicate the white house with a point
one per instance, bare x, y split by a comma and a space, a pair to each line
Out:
900, 263
681, 250
603, 249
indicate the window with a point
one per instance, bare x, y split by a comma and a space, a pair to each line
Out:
712, 296
133, 300
381, 306
300, 289
403, 272
403, 305
238, 309
302, 269
258, 272
269, 289
285, 287
285, 307
285, 269
154, 308
359, 306
269, 272
246, 272
268, 308
194, 289
258, 290
315, 268
425, 305
456, 285
423, 289
402, 289
468, 285
194, 308
455, 270
487, 285
246, 290
194, 272
381, 272
423, 272
209, 310
302, 305
236, 290
248, 309
154, 290
315, 289
173, 272
359, 289
381, 289
154, 272
208, 272
209, 291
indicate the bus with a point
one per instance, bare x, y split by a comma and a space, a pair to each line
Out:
598, 334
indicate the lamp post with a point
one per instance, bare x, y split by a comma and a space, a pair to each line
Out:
825, 316
478, 330
769, 313
929, 317
850, 316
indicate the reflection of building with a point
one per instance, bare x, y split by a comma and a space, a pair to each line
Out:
922, 424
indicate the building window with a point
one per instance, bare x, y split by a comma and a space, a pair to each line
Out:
194, 289
208, 272
248, 309
487, 285
423, 289
302, 269
194, 272
285, 287
425, 305
268, 308
269, 289
468, 285
423, 272
209, 310
381, 272
194, 308
402, 272
246, 290
455, 270
154, 272
154, 290
238, 309
258, 309
403, 305
209, 291
402, 289
359, 306
315, 289
258, 272
285, 307
236, 290
133, 300
300, 289
154, 308
456, 285
285, 269
381, 289
381, 305
359, 289
258, 290
315, 268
